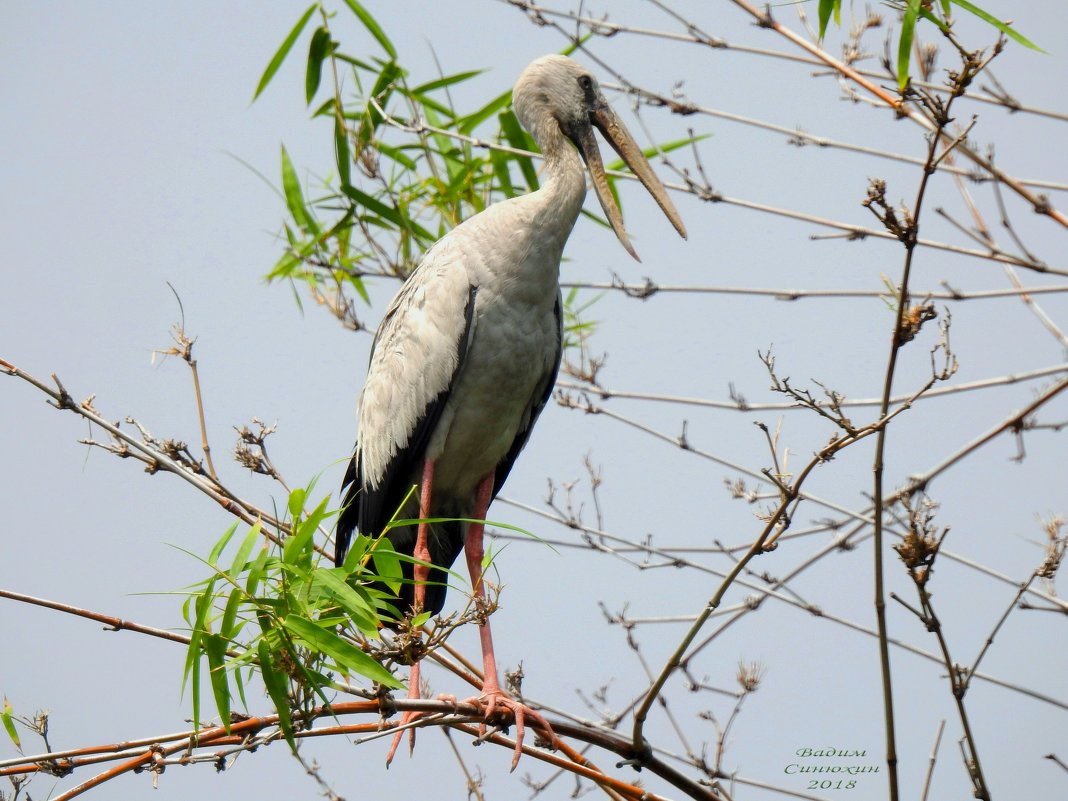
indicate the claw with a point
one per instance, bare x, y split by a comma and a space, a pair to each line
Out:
491, 699
407, 717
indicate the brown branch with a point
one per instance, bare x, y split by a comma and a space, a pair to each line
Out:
112, 623
907, 230
776, 521
919, 551
184, 350
1014, 422
145, 449
249, 734
1040, 203
705, 192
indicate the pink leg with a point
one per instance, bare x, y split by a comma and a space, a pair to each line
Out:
474, 552
420, 573
492, 694
422, 538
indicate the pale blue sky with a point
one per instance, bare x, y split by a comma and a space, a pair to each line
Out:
126, 132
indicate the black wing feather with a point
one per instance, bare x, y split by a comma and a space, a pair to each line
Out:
369, 512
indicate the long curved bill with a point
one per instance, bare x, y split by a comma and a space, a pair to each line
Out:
623, 143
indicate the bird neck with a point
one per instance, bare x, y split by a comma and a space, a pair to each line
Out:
563, 187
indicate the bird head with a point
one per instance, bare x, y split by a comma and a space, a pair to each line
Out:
555, 91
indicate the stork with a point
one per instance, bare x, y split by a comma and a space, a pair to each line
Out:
467, 353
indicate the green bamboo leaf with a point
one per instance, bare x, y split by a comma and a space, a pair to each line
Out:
387, 564
292, 259
420, 620
516, 135
277, 684
195, 652
297, 550
500, 163
385, 84
202, 605
398, 155
519, 138
241, 685
904, 46
1004, 27
471, 121
194, 689
327, 108
358, 549
344, 653
257, 572
341, 232
391, 214
356, 606
217, 550
9, 724
318, 514
430, 102
828, 7
452, 153
391, 72
448, 80
359, 64
371, 118
927, 15
283, 51
575, 44
311, 485
233, 604
460, 180
372, 27
294, 195
342, 155
296, 502
215, 648
317, 51
246, 548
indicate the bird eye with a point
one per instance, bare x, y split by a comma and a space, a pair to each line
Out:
585, 82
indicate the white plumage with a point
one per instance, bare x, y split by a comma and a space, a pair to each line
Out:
467, 353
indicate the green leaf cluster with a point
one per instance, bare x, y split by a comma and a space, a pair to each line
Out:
409, 163
275, 611
394, 190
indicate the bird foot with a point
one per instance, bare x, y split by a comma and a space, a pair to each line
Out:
406, 718
495, 700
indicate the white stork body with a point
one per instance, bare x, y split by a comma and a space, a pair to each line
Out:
510, 256
467, 353
466, 382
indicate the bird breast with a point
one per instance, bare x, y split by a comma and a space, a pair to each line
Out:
510, 359
509, 255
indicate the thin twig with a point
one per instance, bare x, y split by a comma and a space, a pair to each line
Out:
155, 458
907, 230
112, 623
607, 393
932, 759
